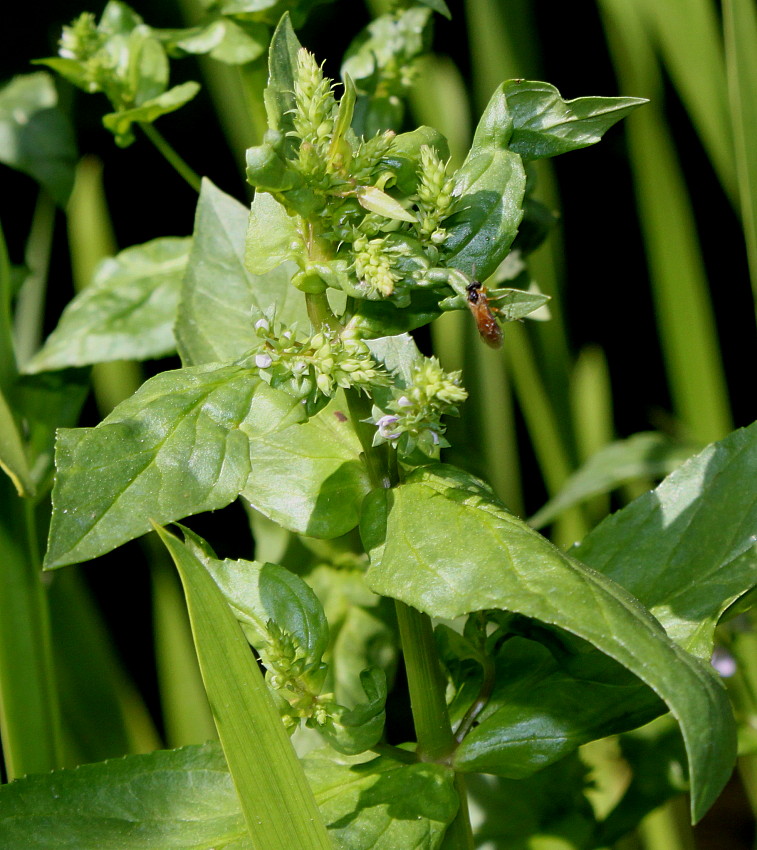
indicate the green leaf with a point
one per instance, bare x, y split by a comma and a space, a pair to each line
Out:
188, 800
381, 804
232, 42
695, 537
382, 318
355, 730
127, 313
549, 697
413, 536
644, 455
261, 593
546, 125
171, 799
35, 136
282, 71
276, 800
119, 123
309, 478
178, 446
220, 297
273, 236
489, 187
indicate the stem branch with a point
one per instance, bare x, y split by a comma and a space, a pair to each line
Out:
170, 154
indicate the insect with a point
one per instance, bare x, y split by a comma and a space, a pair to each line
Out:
483, 313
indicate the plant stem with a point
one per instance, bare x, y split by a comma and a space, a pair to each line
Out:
170, 154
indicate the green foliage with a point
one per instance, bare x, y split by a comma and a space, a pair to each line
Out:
302, 392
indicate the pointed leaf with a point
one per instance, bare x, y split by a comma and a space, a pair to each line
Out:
695, 537
282, 71
178, 446
119, 123
413, 535
276, 800
220, 297
645, 455
127, 313
546, 125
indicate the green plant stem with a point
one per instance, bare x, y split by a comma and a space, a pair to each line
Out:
170, 154
30, 304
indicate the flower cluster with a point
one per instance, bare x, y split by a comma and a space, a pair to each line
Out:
434, 196
412, 418
312, 367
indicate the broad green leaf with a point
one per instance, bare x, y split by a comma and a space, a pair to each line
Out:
282, 70
35, 136
309, 477
232, 42
381, 804
127, 313
548, 699
119, 123
13, 460
413, 534
489, 187
686, 550
178, 446
275, 797
546, 125
187, 801
166, 800
262, 593
644, 455
273, 236
220, 297
399, 354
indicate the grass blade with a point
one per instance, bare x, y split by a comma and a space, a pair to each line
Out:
276, 800
740, 25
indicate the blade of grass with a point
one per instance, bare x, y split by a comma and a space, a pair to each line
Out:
740, 27
688, 35
30, 724
90, 238
277, 802
186, 714
591, 400
684, 313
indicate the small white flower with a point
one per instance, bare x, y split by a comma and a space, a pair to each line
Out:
384, 426
262, 323
263, 361
404, 401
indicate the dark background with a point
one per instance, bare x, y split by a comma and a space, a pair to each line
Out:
606, 295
